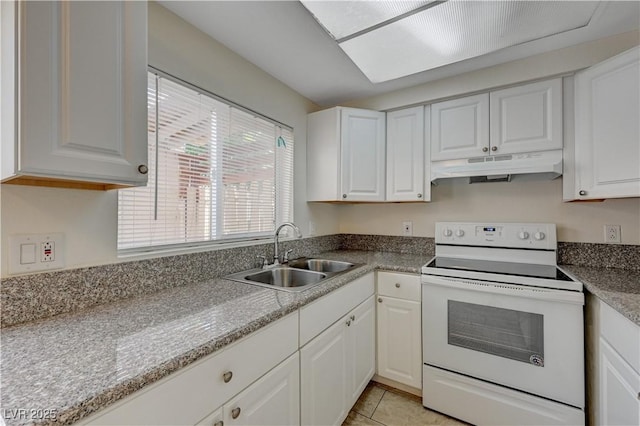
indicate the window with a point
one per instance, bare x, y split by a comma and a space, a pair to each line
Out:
216, 172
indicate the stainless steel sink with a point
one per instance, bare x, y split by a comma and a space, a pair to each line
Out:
321, 265
286, 277
297, 275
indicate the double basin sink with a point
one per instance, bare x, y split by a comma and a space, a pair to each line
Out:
297, 275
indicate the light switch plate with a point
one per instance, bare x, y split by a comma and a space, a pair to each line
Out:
48, 255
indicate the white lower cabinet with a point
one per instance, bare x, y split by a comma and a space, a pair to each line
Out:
399, 328
338, 357
615, 366
336, 367
324, 378
272, 400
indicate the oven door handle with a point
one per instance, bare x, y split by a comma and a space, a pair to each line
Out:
572, 297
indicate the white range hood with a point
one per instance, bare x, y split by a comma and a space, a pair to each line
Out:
544, 164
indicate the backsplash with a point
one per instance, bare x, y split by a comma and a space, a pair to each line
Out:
31, 297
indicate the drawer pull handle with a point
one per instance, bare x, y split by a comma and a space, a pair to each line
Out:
219, 423
353, 317
348, 323
379, 299
227, 376
235, 413
397, 285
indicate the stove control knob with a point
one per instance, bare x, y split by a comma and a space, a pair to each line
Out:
523, 235
539, 236
459, 233
447, 232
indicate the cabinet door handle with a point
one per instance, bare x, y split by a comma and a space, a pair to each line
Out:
219, 423
353, 317
344, 195
494, 148
582, 192
485, 149
227, 376
419, 195
143, 169
235, 412
397, 285
379, 299
348, 323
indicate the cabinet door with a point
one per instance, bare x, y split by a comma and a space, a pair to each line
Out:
619, 389
324, 377
607, 135
362, 348
213, 419
526, 118
362, 155
83, 90
460, 128
405, 155
272, 400
400, 341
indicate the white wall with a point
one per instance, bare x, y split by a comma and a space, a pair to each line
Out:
89, 218
456, 200
532, 201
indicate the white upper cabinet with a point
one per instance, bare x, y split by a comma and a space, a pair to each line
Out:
526, 118
460, 128
407, 159
363, 161
346, 155
606, 161
81, 94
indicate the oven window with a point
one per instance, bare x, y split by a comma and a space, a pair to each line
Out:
502, 332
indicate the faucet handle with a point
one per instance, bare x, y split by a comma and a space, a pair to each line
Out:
285, 256
263, 262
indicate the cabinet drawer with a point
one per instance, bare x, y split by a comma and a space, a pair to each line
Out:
188, 395
621, 334
319, 315
401, 286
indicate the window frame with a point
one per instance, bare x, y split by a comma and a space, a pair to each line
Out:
250, 238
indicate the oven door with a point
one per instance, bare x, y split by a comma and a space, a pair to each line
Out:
526, 338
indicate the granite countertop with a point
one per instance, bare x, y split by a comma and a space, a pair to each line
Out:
618, 288
72, 365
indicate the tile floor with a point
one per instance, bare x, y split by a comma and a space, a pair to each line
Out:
383, 405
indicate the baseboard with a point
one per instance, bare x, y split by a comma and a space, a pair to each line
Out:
397, 385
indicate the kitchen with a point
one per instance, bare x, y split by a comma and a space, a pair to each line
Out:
178, 48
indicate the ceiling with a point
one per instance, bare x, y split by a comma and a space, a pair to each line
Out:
284, 39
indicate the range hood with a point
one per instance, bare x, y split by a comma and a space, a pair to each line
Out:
492, 168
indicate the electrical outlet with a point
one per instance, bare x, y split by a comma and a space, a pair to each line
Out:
612, 234
407, 228
48, 251
35, 252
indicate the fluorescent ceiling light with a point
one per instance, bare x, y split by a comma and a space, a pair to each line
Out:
443, 34
344, 18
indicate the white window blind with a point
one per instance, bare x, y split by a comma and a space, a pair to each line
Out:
216, 173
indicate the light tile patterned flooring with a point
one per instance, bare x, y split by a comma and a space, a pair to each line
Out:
383, 405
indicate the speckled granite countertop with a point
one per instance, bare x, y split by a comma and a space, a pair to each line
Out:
76, 364
619, 288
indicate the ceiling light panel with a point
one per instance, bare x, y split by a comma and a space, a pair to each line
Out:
459, 30
344, 18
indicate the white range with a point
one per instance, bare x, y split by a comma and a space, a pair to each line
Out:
503, 337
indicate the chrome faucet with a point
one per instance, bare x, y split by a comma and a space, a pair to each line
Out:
276, 255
